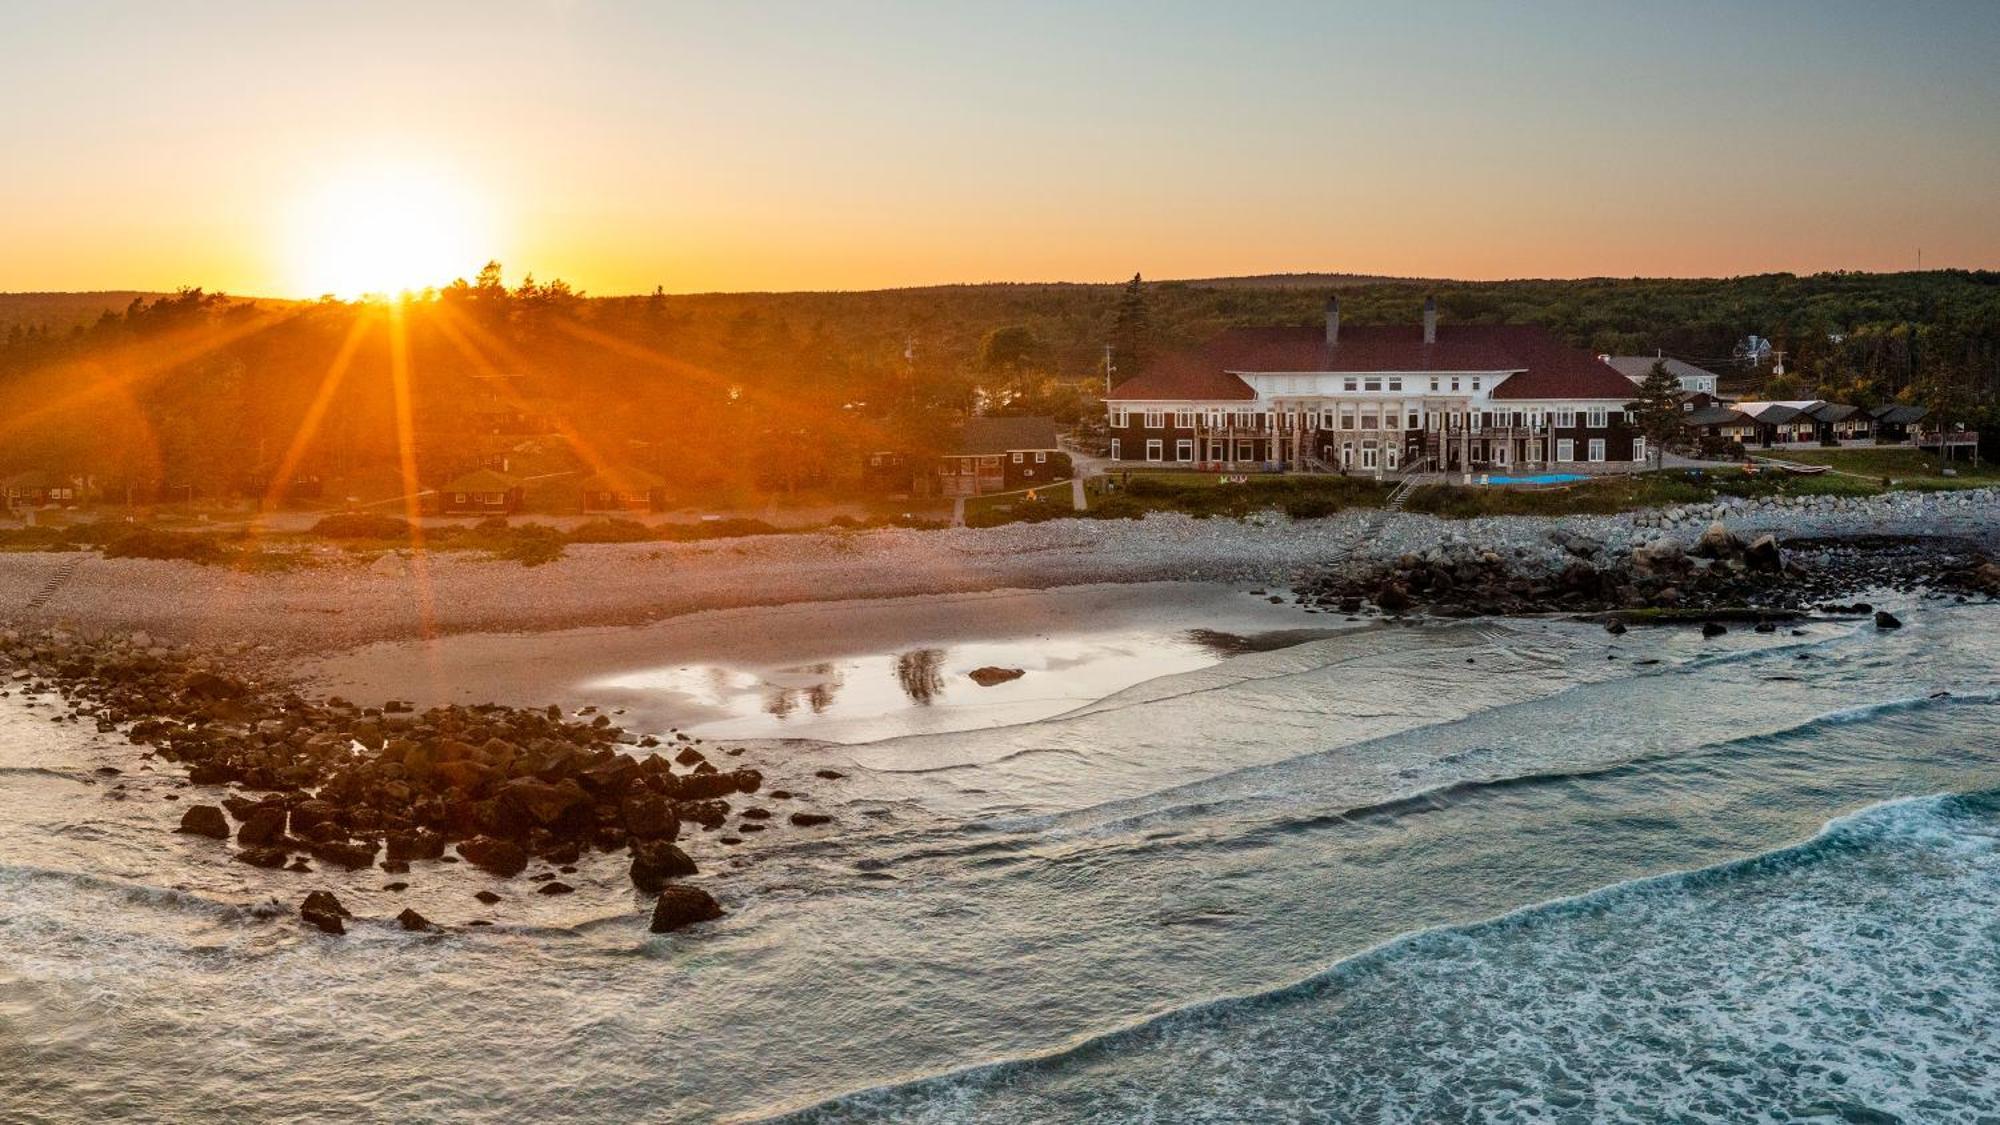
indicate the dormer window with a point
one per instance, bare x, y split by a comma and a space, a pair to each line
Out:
1434, 384
1372, 385
1395, 384
1349, 383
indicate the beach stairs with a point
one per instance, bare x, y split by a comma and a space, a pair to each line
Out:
63, 573
1401, 495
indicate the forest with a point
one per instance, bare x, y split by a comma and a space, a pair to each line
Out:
201, 394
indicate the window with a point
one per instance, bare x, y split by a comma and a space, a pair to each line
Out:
1346, 417
1597, 449
1413, 420
1153, 450
1369, 420
1454, 382
1434, 384
1184, 450
1565, 449
1597, 417
1116, 453
1372, 384
1184, 419
1395, 384
1348, 383
1155, 419
1244, 420
1475, 384
1020, 457
1390, 417
1041, 456
1565, 419
1120, 418
992, 462
1638, 449
1630, 417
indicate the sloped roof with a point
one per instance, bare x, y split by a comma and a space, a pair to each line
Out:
1776, 413
1006, 435
627, 478
482, 480
1637, 367
1833, 411
1539, 365
1717, 416
34, 479
1896, 414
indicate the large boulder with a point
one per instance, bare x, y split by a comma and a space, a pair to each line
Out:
1886, 620
415, 843
205, 820
1763, 555
526, 803
262, 826
680, 905
649, 816
1718, 542
353, 855
501, 857
654, 862
324, 911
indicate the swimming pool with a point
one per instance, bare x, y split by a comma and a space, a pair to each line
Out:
1539, 478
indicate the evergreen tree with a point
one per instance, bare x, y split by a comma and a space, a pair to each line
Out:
1659, 411
1131, 330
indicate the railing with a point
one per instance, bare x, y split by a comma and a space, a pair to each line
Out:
1956, 435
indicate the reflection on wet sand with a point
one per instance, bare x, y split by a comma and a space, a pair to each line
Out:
921, 674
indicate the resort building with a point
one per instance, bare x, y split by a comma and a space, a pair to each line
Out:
1377, 399
1690, 377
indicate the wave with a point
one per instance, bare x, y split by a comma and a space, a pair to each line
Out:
140, 894
1941, 822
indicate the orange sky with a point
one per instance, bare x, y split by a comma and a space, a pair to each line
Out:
290, 150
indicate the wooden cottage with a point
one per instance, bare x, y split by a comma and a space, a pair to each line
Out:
37, 488
625, 490
1002, 455
485, 492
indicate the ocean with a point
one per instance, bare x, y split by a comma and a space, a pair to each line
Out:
1507, 870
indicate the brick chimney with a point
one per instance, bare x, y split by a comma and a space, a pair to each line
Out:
1332, 321
1430, 320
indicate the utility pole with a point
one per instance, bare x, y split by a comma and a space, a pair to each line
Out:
1108, 368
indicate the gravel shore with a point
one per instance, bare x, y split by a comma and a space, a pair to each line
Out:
394, 597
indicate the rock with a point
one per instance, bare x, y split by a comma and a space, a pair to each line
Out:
1718, 542
650, 816
556, 887
1886, 620
417, 843
324, 900
829, 775
680, 905
411, 920
487, 897
205, 820
654, 862
263, 826
1767, 627
342, 853
1616, 628
1764, 556
501, 857
1391, 597
810, 819
1713, 628
991, 675
323, 910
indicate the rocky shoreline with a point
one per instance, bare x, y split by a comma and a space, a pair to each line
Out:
1660, 578
300, 781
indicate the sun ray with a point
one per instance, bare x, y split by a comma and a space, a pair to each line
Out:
406, 457
308, 428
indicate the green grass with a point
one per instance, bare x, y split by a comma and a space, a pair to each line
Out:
1204, 495
1629, 492
1914, 468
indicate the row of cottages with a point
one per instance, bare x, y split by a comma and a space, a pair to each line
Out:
1002, 455
491, 492
37, 488
1813, 422
1377, 399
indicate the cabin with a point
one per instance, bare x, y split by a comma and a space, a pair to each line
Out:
1722, 425
1378, 399
1894, 421
1782, 423
1002, 455
37, 488
887, 470
484, 492
625, 490
1838, 422
1691, 378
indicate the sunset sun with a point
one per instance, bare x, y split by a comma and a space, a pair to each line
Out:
386, 230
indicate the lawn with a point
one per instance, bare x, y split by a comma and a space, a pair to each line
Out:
1910, 467
1629, 491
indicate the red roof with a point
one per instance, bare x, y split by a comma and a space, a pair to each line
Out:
1542, 366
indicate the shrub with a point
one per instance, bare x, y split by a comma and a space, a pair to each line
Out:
165, 545
611, 531
362, 525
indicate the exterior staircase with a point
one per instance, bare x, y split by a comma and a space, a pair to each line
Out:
63, 574
1401, 495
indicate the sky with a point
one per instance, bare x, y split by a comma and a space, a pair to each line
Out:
290, 149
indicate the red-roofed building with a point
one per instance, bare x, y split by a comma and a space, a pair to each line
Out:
1379, 399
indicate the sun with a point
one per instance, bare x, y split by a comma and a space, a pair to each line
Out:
386, 230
